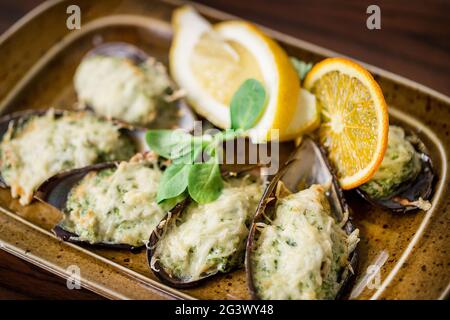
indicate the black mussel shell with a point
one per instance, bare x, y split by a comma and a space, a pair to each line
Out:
165, 118
156, 267
306, 166
72, 237
119, 50
409, 191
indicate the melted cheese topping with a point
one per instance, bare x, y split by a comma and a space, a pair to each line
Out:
210, 238
117, 88
115, 206
46, 145
401, 162
302, 252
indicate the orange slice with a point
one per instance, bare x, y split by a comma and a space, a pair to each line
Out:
354, 128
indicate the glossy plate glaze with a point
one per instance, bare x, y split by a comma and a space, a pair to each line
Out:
39, 56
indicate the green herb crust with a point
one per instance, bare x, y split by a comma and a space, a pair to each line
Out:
116, 206
210, 238
45, 145
117, 88
301, 254
401, 163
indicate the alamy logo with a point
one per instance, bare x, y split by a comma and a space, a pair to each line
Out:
230, 151
73, 21
74, 279
372, 278
373, 22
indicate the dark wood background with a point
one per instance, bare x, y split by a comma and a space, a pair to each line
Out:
414, 41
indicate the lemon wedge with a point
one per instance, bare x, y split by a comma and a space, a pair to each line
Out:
210, 62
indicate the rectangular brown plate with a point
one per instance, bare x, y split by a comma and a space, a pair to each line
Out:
39, 56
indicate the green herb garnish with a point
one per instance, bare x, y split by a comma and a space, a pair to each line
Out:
195, 166
170, 144
247, 104
301, 67
205, 182
174, 181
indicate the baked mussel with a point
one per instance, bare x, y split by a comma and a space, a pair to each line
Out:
302, 243
109, 204
37, 144
197, 241
120, 81
404, 180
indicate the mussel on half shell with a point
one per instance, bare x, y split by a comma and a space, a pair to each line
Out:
414, 189
58, 190
307, 167
180, 215
132, 138
173, 110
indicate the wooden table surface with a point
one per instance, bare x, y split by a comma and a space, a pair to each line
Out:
414, 41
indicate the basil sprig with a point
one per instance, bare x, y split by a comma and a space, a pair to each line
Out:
194, 168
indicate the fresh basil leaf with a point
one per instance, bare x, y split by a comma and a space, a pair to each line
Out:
173, 181
205, 182
247, 104
169, 204
301, 67
170, 144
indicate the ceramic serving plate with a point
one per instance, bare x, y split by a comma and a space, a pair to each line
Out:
39, 56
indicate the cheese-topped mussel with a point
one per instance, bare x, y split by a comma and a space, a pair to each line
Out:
196, 241
110, 204
120, 81
302, 244
35, 145
301, 253
404, 179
